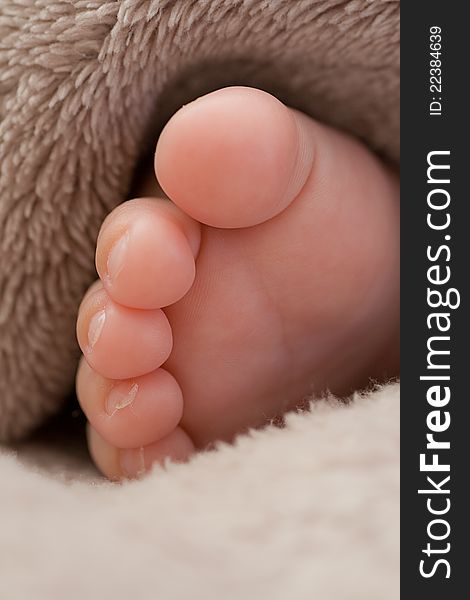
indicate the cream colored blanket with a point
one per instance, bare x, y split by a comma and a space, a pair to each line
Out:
85, 86
309, 512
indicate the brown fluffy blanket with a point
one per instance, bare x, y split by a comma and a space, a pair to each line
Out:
85, 86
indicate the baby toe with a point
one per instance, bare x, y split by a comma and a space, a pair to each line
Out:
133, 412
145, 253
120, 342
132, 463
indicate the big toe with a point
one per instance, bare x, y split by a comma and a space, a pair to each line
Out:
233, 158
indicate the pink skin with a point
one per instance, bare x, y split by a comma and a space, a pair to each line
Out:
273, 273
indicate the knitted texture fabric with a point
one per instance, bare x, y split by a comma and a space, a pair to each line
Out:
85, 87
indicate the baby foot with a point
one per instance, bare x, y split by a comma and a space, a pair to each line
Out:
272, 273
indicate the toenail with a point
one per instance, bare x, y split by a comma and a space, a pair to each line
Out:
116, 257
120, 396
96, 327
132, 462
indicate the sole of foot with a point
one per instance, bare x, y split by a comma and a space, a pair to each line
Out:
270, 272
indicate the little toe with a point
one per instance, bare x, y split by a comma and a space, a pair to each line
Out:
121, 342
133, 412
145, 253
233, 158
132, 463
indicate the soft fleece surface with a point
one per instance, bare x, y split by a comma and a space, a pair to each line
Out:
309, 512
85, 86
